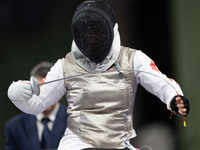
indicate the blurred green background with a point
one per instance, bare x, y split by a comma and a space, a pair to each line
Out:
166, 30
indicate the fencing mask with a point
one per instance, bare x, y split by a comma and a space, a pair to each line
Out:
92, 29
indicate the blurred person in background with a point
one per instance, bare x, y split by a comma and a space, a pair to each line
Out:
27, 132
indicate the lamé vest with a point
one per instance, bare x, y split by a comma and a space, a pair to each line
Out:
100, 104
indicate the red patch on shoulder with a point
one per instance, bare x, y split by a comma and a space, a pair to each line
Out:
153, 66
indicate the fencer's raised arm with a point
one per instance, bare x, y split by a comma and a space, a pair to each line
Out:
21, 95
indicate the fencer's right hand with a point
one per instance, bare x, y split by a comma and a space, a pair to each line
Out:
20, 91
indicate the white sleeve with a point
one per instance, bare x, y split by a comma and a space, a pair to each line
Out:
149, 77
49, 93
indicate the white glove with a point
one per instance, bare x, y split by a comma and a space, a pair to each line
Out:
20, 91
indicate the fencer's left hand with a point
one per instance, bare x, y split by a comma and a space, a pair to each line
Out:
180, 105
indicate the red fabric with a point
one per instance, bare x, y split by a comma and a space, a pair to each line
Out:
153, 66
